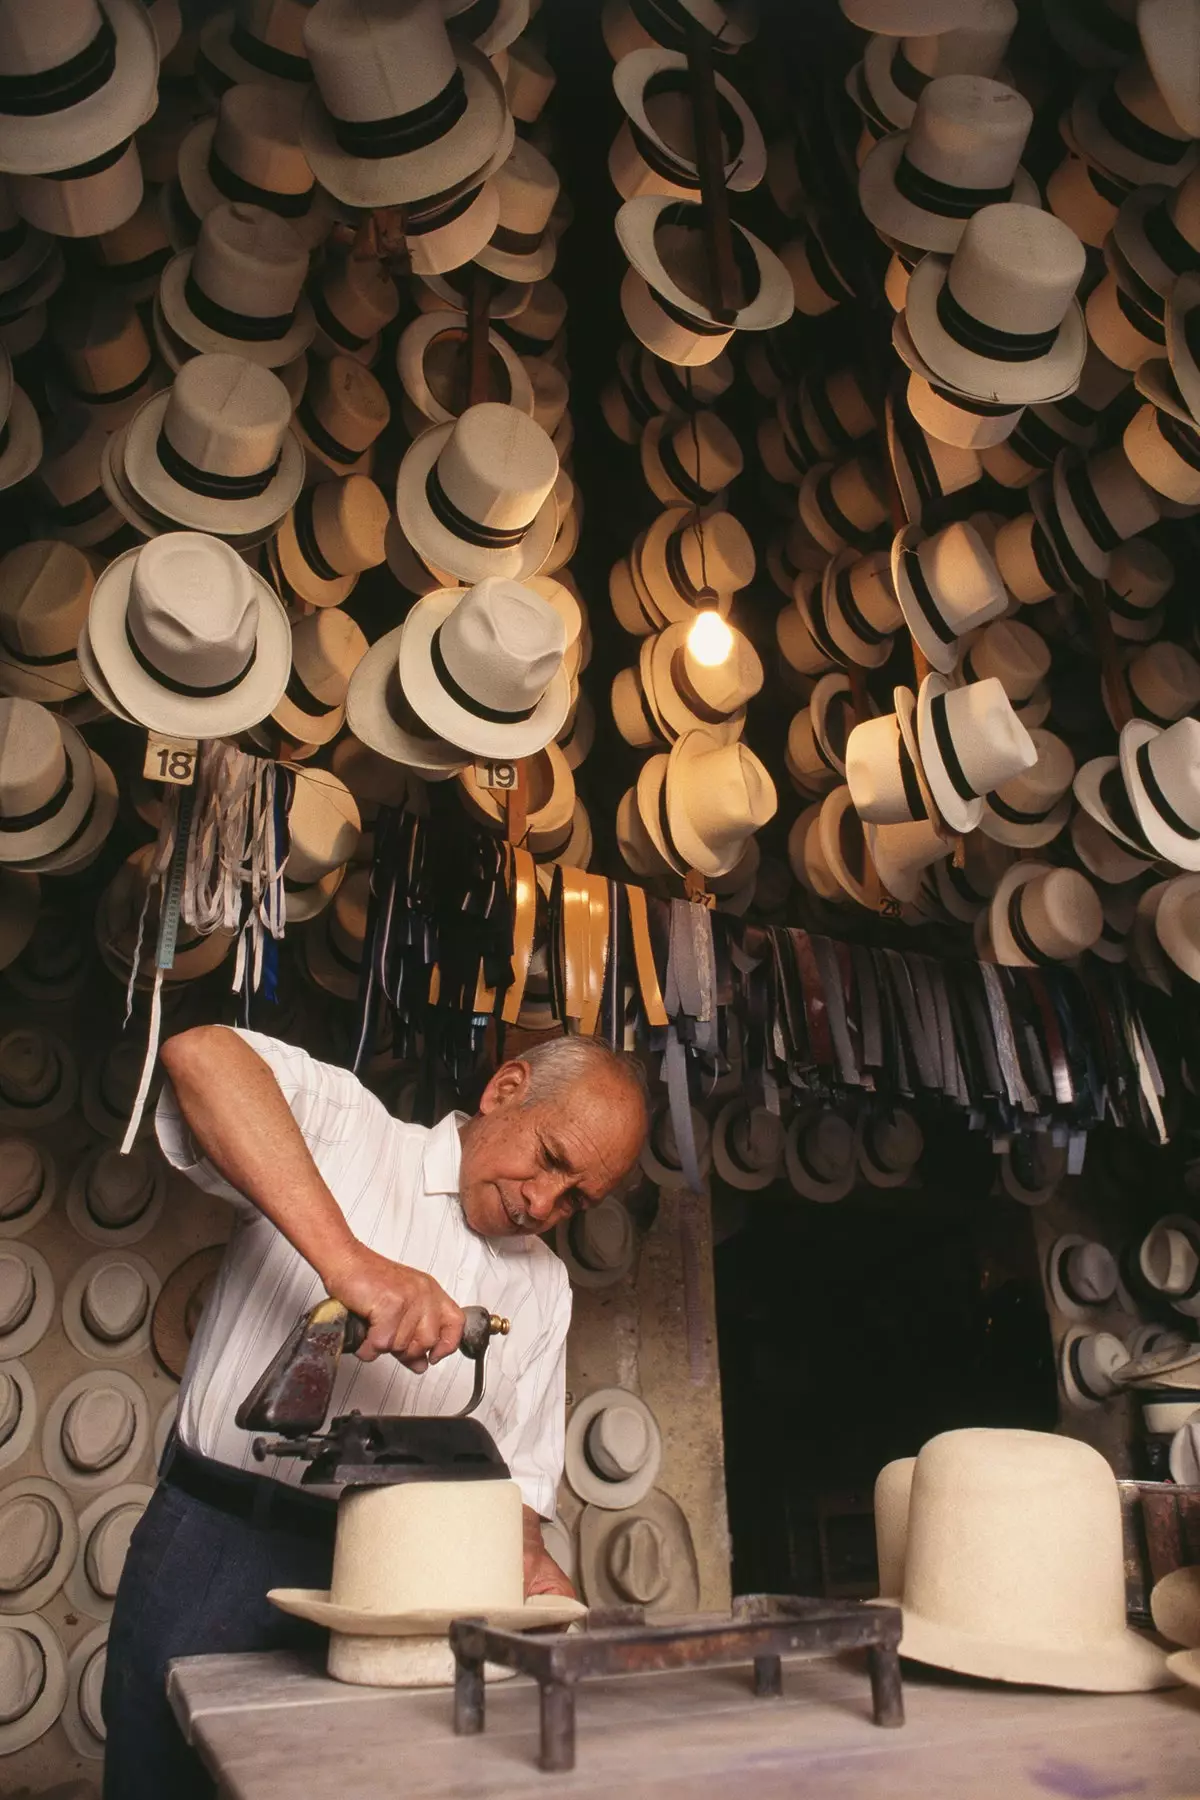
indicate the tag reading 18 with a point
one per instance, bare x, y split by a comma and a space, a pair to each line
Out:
170, 759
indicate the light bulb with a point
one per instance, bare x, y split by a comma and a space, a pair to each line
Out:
710, 640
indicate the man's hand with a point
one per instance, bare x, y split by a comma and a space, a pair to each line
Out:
542, 1573
408, 1314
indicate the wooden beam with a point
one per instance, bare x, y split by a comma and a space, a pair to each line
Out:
479, 369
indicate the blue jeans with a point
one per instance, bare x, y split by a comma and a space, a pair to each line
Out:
194, 1583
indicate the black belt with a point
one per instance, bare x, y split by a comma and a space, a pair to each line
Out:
256, 1498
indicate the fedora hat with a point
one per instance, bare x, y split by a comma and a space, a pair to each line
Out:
843, 504
1119, 906
550, 392
1161, 771
947, 584
1168, 1260
970, 741
807, 859
35, 1680
107, 1303
1026, 561
178, 666
902, 853
1155, 239
400, 110
805, 647
1124, 331
882, 767
114, 1199
45, 587
998, 320
998, 1582
256, 40
844, 846
747, 1145
634, 843
660, 295
1140, 576
96, 1430
216, 452
1040, 914
105, 1526
1163, 682
242, 288
327, 647
613, 1449
816, 750
81, 201
335, 531
642, 1555
1165, 453
79, 80
333, 943
431, 363
1031, 808
820, 262
598, 1245
379, 713
654, 151
895, 70
476, 496
1171, 46
890, 1146
532, 319
491, 28
1183, 339
104, 360
1102, 855
40, 1537
354, 299
1178, 925
926, 469
410, 1558
858, 601
1122, 125
110, 1085
28, 1184
523, 244
1018, 657
1085, 198
26, 1297
1088, 1365
529, 80
920, 186
323, 829
819, 1155
686, 562
1091, 506
715, 797
693, 459
180, 1305
964, 893
1081, 1275
48, 784
250, 152
339, 417
660, 1158
690, 692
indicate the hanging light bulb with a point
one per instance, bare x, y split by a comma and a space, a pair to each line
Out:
710, 640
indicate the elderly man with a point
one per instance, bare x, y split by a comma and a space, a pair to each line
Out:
405, 1226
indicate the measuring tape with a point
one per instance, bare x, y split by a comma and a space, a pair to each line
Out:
168, 918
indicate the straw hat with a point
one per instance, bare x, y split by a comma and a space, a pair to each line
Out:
747, 1145
175, 666
690, 460
251, 152
1123, 330
819, 1154
1081, 1275
654, 151
476, 496
407, 1560
180, 1305
26, 1297
28, 1184
96, 1430
431, 364
598, 1245
323, 829
342, 412
1155, 239
57, 796
353, 300
1032, 807
110, 1085
257, 40
105, 362
921, 186
843, 503
819, 263
1123, 125
882, 767
380, 714
688, 693
1032, 1168
333, 943
523, 244
902, 853
1019, 658
241, 289
963, 893
44, 592
1178, 925
18, 1412
613, 1449
105, 1526
107, 1304
626, 29
859, 607
1085, 198
642, 1555
1182, 334
1169, 1262
1161, 772
716, 796
947, 584
79, 79
327, 647
685, 562
1088, 1365
400, 110
84, 200
889, 1147
71, 506
970, 741
659, 1157
896, 70
1140, 576
552, 807
334, 532
28, 258
1040, 914
1014, 1568
529, 80
926, 469
1102, 855
34, 1668
114, 1199
1026, 561
40, 1538
1165, 453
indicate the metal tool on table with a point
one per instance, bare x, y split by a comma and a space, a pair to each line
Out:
293, 1395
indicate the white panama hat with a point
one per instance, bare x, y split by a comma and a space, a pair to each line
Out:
903, 852
430, 361
85, 201
107, 1305
523, 245
716, 797
613, 1448
323, 829
1041, 914
1161, 771
256, 40
114, 1199
1031, 808
970, 741
947, 584
1165, 453
379, 714
1140, 576
336, 530
1177, 923
251, 152
691, 460
882, 767
242, 288
654, 153
896, 70
79, 79
327, 647
1089, 1364
844, 503
35, 1674
1123, 125
96, 1430
859, 606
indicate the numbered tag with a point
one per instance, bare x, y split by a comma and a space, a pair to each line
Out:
170, 759
501, 775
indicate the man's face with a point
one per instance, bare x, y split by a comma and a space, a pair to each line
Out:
525, 1168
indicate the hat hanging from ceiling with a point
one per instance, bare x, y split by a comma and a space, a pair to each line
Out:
256, 40
104, 360
951, 417
963, 150
523, 245
690, 691
35, 1679
858, 601
1140, 576
1081, 1275
642, 1555
690, 460
70, 505
1040, 914
20, 431
654, 151
684, 559
661, 295
901, 854
380, 714
1162, 681
895, 71
114, 1199
926, 469
1027, 562
250, 152
747, 1145
1155, 239
342, 412
29, 1185
335, 532
882, 767
1091, 506
40, 1538
84, 200
613, 1449
242, 288
188, 638
327, 647
947, 584
963, 893
970, 742
431, 363
715, 797
820, 1152
323, 830
1121, 328
48, 789
1019, 658
815, 755
1123, 125
353, 299
476, 496
598, 1245
844, 503
551, 816
1161, 771
890, 1146
1031, 808
1102, 855
820, 264
1119, 906
997, 1581
79, 80
401, 110
1177, 923
529, 81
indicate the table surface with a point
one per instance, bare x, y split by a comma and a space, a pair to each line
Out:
274, 1727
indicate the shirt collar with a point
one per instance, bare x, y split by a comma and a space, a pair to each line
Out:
441, 1160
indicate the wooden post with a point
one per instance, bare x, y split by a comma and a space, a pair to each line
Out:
479, 364
516, 804
724, 295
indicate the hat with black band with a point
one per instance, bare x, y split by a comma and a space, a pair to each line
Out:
242, 288
970, 741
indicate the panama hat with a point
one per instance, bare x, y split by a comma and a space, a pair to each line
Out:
333, 943
963, 150
963, 893
400, 110
242, 288
1019, 658
1183, 339
896, 70
28, 257
105, 1525
999, 319
523, 245
613, 1448
339, 417
45, 587
1089, 1363
35, 1679
844, 846
1155, 239
529, 80
29, 1185
71, 506
1085, 198
114, 1199
250, 152
844, 503
1091, 506
626, 29
1040, 914
1032, 807
353, 299
126, 917
689, 693
1106, 857
20, 431
687, 562
1123, 125
26, 1298
79, 82
820, 263
820, 1156
48, 779
902, 853
79, 202
1124, 331
327, 647
257, 40
1165, 454
926, 469
431, 364
598, 1245
654, 153
882, 769
551, 818
642, 1555
1162, 681
491, 464
716, 797
1176, 923
1140, 576
1119, 906
96, 1430
1025, 558
323, 829
970, 741
805, 646
1161, 772
890, 1146
747, 1145
815, 755
107, 1304
379, 713
947, 584
858, 602
893, 1486
104, 360
692, 459
41, 1538
334, 532
1081, 1274
110, 1085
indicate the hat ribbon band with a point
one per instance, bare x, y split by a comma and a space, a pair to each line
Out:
186, 688
690, 486
1168, 242
817, 395
1183, 439
41, 814
949, 755
140, 269
933, 196
1075, 1363
67, 83
206, 481
664, 825
910, 80
323, 439
12, 239
209, 75
989, 340
813, 615
1075, 410
1015, 815
1159, 800
835, 518
416, 224
641, 407
250, 328
1036, 439
853, 613
1073, 569
698, 326
494, 715
913, 797
1134, 134
461, 525
823, 271
78, 512
682, 175
525, 343
1095, 520
677, 568
23, 659
914, 443
236, 187
331, 325
306, 537
374, 139
712, 715
930, 610
1020, 931
267, 58
1141, 320
798, 441
1125, 607
109, 396
1045, 560
516, 243
986, 409
1116, 803
304, 700
474, 20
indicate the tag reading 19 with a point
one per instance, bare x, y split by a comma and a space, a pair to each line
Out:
170, 759
496, 775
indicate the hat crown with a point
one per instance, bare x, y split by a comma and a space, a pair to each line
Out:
350, 520
727, 685
22, 1672
1039, 787
45, 587
249, 260
98, 1428
102, 343
30, 1533
361, 294
227, 416
829, 1143
962, 576
706, 450
974, 48
1174, 757
1100, 1354
118, 1187
1165, 678
1169, 1260
1091, 1271
34, 39
638, 1560
990, 741
1137, 90
601, 1234
497, 466
728, 792
618, 1442
327, 647
193, 609
33, 765
528, 188
257, 136
377, 59
18, 1288
503, 644
969, 131
1016, 654
1141, 571
115, 1300
107, 1547
1016, 268
279, 23
1061, 913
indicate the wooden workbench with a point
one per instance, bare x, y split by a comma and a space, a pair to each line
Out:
270, 1727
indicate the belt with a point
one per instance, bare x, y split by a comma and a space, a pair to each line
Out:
262, 1502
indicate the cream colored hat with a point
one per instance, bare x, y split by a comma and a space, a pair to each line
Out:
114, 1199
882, 768
323, 828
818, 263
1025, 558
1031, 808
998, 1581
970, 741
258, 40
819, 1155
26, 1291
688, 693
96, 1430
381, 716
716, 797
44, 592
890, 1146
926, 469
654, 151
947, 584
431, 363
626, 29
105, 1527
241, 289
1177, 923
251, 152
523, 246
1081, 1275
105, 361
1165, 453
550, 818
1121, 328
335, 531
1169, 1262
1155, 239
896, 70
613, 1449
84, 200
327, 647
817, 740
476, 496
893, 1487
598, 1245
1161, 772
1140, 576
1123, 125
1183, 340
660, 1158
339, 417
843, 503
333, 943
1040, 914
33, 1680
683, 560
353, 300
134, 254
38, 1542
107, 1305
690, 460
858, 600
901, 854
79, 80
28, 1184
642, 1555
71, 506
50, 782
1018, 657
1089, 1363
954, 418
1162, 681
400, 110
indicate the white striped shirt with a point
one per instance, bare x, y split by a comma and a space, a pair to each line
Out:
397, 1185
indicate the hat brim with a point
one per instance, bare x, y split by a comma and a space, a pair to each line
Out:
940, 655
396, 180
314, 1604
38, 144
836, 809
47, 1707
532, 265
1181, 946
1128, 1663
854, 648
804, 1182
168, 1335
1184, 300
611, 1496
113, 1236
21, 847
300, 577
415, 341
445, 717
959, 814
77, 1330
734, 1173
632, 76
1086, 786
370, 720
269, 352
200, 512
201, 194
156, 706
1037, 382
1097, 145
889, 211
950, 423
1183, 852
439, 547
53, 1455
670, 705
1004, 944
1130, 255
773, 304
901, 878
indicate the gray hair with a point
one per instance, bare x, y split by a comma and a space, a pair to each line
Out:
558, 1063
